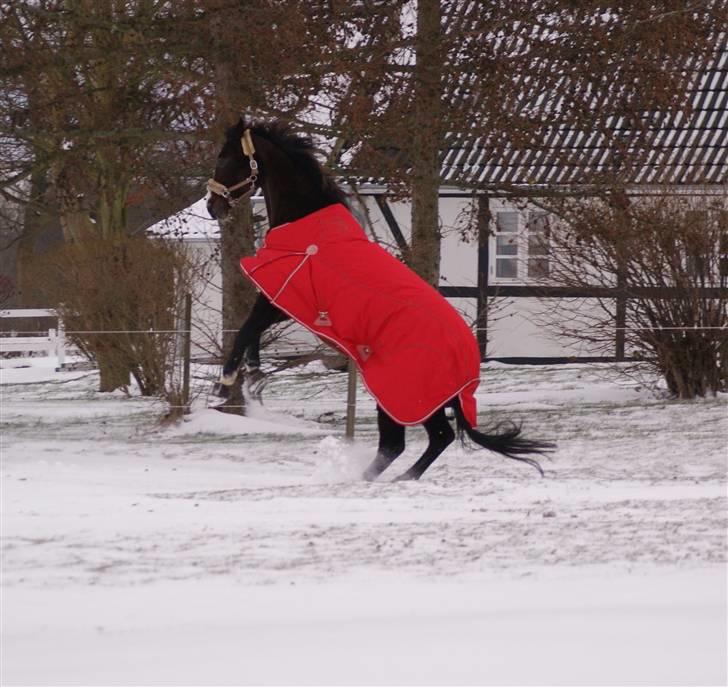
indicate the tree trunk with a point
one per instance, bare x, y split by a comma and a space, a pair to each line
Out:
425, 253
113, 374
112, 206
78, 228
36, 222
71, 199
237, 239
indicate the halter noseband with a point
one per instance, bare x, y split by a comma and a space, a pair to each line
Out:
221, 190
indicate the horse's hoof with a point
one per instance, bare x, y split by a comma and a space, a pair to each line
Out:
254, 385
221, 390
228, 378
406, 477
255, 375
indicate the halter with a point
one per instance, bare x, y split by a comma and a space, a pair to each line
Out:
221, 190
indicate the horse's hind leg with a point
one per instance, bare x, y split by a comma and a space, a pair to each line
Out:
441, 435
391, 445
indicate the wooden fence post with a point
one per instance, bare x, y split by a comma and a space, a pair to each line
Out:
351, 401
620, 320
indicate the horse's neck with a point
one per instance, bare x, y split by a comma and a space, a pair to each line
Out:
288, 195
285, 203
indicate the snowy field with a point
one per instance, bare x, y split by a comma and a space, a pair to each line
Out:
246, 550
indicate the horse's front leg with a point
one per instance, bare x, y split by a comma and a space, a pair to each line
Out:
246, 346
251, 357
254, 378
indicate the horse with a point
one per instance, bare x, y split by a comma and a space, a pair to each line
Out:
272, 157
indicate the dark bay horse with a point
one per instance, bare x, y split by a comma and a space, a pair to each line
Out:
271, 157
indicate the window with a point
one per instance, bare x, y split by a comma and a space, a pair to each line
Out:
539, 236
506, 245
521, 245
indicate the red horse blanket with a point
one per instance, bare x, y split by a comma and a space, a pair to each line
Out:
412, 348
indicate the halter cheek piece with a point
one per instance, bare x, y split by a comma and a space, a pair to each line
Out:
221, 190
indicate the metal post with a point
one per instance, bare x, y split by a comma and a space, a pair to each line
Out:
186, 349
351, 401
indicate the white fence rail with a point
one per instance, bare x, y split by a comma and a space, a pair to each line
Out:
53, 342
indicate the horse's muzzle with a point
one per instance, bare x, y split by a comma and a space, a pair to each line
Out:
217, 206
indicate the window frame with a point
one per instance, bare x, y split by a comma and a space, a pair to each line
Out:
524, 240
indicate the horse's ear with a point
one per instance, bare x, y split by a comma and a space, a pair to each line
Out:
235, 131
244, 123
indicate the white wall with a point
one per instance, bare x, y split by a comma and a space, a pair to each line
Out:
207, 299
516, 327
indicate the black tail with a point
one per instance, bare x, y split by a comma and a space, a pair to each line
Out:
506, 439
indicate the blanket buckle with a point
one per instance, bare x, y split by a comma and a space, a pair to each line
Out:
323, 319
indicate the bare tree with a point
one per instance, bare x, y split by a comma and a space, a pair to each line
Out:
101, 98
97, 284
666, 259
255, 61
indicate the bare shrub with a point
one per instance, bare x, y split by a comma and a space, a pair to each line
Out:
664, 262
121, 299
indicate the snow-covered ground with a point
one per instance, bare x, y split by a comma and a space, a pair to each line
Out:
246, 550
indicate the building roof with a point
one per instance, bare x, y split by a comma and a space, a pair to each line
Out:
686, 147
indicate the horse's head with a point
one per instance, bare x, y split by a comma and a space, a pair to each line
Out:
236, 172
293, 181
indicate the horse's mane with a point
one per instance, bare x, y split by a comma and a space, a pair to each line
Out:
299, 149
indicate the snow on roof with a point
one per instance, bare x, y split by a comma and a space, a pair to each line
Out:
192, 223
